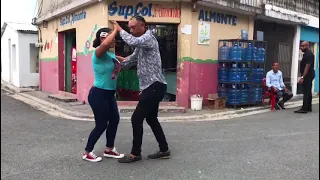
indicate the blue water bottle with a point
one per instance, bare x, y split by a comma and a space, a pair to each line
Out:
234, 52
223, 73
223, 91
240, 52
234, 74
224, 52
249, 52
234, 95
262, 54
244, 94
255, 54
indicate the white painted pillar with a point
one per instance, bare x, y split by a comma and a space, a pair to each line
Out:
295, 60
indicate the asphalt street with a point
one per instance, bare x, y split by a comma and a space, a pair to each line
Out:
273, 146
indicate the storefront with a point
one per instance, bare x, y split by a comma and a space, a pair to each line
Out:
280, 39
188, 43
311, 35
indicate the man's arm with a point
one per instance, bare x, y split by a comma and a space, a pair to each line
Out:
130, 60
145, 40
268, 80
120, 58
281, 81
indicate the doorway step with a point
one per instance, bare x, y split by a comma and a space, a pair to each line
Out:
64, 97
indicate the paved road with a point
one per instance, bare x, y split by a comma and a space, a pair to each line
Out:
275, 146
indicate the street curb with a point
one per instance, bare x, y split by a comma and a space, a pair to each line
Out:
50, 108
12, 89
56, 107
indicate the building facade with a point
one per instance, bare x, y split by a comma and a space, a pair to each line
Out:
188, 34
19, 54
292, 21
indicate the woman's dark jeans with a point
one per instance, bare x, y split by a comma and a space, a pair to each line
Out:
105, 109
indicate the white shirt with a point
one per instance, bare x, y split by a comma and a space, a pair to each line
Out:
275, 80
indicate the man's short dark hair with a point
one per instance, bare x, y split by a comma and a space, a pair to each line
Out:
275, 63
139, 18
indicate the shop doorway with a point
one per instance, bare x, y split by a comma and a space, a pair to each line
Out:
67, 60
128, 83
279, 38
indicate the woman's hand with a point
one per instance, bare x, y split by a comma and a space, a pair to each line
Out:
116, 26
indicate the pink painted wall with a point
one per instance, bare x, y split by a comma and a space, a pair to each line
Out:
202, 79
85, 77
183, 84
49, 76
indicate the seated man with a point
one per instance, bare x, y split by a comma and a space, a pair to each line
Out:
274, 81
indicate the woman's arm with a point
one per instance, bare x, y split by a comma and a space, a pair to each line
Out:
105, 45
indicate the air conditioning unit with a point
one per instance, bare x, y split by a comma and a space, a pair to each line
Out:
39, 45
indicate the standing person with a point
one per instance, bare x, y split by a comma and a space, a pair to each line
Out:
274, 81
153, 87
307, 75
102, 95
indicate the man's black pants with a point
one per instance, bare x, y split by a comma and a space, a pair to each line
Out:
148, 107
286, 96
307, 93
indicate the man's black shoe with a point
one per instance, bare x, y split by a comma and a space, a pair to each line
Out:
301, 111
281, 104
129, 159
159, 155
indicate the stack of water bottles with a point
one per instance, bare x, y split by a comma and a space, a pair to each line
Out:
238, 68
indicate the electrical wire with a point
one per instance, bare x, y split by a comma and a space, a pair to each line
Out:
40, 8
35, 8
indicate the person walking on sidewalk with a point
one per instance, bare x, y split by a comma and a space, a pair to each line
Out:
102, 95
153, 87
307, 75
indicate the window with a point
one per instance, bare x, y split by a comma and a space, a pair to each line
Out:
34, 58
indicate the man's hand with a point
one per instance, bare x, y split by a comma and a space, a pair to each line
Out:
121, 59
286, 90
274, 89
301, 81
116, 26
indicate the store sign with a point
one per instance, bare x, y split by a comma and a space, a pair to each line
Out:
215, 17
72, 18
149, 10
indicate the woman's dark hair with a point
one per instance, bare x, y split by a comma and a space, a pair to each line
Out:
97, 41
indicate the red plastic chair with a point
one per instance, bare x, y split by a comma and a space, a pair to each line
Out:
269, 94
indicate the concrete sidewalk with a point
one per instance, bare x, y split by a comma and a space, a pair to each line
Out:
80, 111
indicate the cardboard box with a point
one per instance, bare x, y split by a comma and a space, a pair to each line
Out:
216, 102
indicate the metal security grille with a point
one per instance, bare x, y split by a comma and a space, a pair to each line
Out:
280, 45
284, 59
